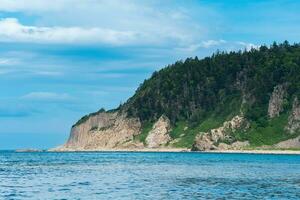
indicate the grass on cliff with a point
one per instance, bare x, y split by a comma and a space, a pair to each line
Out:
182, 131
228, 109
186, 135
144, 133
266, 131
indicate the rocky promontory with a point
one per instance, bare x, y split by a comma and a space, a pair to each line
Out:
116, 131
229, 101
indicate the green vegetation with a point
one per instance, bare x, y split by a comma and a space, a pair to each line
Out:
267, 133
189, 90
201, 94
198, 95
179, 129
94, 128
86, 117
186, 131
186, 135
145, 130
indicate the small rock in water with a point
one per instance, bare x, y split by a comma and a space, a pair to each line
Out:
28, 150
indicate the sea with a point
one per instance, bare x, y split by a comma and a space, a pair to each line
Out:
148, 175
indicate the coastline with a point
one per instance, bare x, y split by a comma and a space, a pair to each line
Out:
255, 151
122, 150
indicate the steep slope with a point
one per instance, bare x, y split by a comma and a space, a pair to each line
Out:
103, 131
227, 101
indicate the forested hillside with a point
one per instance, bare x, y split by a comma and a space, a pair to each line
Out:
257, 89
192, 88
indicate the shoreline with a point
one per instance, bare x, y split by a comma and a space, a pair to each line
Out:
256, 151
123, 150
176, 150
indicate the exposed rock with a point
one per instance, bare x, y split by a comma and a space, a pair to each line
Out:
28, 150
132, 144
103, 131
294, 118
210, 140
291, 143
238, 145
203, 142
159, 135
276, 101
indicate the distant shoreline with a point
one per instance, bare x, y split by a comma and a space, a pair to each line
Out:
28, 150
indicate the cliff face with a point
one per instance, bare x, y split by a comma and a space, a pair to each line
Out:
103, 131
215, 138
294, 119
159, 134
115, 131
276, 101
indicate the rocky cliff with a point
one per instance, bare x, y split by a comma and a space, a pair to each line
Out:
159, 134
115, 131
293, 125
230, 100
276, 101
221, 138
105, 130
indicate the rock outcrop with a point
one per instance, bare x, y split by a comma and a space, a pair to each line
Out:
213, 139
294, 118
276, 101
238, 145
290, 143
105, 130
159, 135
115, 131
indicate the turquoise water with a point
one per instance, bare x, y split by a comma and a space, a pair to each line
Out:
148, 176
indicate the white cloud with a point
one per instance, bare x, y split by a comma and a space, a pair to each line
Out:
210, 43
11, 30
218, 44
248, 46
203, 44
114, 22
47, 96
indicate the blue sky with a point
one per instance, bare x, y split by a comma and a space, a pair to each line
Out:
61, 59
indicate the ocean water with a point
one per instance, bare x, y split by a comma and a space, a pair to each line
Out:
124, 175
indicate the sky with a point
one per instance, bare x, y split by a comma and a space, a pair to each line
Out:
62, 59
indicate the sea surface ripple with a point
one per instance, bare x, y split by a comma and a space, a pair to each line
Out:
127, 175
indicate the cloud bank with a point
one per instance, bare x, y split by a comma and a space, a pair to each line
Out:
12, 31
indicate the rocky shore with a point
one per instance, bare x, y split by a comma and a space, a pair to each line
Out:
290, 152
122, 150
